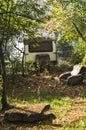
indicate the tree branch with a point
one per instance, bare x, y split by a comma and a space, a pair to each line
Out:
22, 15
19, 49
79, 32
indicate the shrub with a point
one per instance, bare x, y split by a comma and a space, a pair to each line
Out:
83, 62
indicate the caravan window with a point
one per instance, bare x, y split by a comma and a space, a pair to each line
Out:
44, 46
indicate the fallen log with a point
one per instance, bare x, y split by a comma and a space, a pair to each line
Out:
15, 115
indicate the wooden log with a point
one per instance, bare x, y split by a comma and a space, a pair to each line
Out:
16, 115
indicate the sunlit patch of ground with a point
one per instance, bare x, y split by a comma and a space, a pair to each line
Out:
67, 103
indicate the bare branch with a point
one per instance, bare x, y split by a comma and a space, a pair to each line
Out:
19, 49
79, 32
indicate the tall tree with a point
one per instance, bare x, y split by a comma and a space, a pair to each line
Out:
68, 17
17, 16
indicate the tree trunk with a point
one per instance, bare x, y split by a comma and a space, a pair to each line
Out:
23, 65
3, 71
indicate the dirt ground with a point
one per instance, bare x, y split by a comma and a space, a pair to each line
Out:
48, 83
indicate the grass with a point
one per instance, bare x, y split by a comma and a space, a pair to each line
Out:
60, 107
70, 112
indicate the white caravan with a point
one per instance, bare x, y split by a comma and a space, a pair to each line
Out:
43, 51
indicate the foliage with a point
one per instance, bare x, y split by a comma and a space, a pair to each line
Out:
18, 19
17, 16
68, 19
83, 62
29, 67
79, 52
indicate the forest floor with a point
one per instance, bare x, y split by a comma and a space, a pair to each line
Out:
34, 91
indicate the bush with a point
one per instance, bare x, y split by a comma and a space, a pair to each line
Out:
78, 53
83, 62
